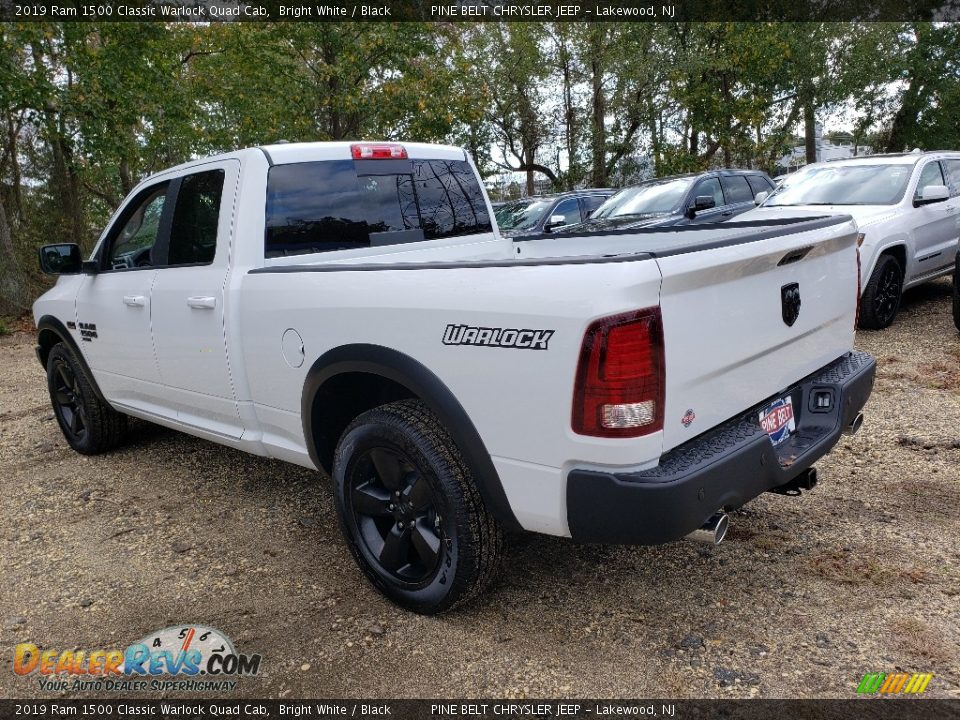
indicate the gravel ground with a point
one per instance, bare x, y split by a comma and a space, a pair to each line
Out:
807, 594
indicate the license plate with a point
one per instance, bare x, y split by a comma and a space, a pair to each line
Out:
777, 419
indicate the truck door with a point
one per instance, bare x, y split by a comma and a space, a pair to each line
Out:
113, 306
188, 300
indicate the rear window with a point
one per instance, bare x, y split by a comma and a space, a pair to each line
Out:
342, 204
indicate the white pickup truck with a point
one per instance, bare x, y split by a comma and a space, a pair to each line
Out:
351, 308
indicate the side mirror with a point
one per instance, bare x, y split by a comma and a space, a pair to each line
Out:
61, 259
555, 221
931, 194
761, 196
702, 202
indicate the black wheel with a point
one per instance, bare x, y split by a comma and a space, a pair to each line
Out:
89, 424
881, 297
410, 512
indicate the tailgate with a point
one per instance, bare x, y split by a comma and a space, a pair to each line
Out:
727, 344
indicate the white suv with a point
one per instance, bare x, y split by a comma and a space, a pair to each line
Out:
908, 211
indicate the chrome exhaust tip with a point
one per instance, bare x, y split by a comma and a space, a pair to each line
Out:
713, 531
854, 425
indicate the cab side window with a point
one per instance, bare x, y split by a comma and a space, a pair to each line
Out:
569, 209
710, 186
132, 247
930, 175
196, 215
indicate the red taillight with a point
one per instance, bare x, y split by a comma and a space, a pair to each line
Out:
620, 380
378, 151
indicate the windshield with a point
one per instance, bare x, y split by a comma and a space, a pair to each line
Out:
844, 185
652, 198
521, 214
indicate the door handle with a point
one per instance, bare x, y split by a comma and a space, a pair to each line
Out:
134, 300
202, 303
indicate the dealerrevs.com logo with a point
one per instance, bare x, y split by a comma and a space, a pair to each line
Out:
180, 657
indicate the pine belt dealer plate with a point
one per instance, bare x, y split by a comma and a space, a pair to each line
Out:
777, 420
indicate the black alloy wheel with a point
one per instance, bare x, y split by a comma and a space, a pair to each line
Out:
881, 295
410, 511
88, 423
68, 400
887, 299
395, 514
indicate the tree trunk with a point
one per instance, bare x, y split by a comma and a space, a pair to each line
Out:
810, 130
13, 296
599, 134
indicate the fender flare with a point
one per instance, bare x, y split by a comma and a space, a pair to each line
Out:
898, 241
425, 385
48, 323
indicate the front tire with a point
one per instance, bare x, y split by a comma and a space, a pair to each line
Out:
410, 512
881, 297
89, 425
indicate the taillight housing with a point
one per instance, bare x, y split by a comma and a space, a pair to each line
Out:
378, 151
620, 382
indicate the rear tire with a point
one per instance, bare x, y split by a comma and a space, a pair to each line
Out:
881, 297
89, 425
410, 512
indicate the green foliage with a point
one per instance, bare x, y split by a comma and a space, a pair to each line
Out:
4, 330
89, 109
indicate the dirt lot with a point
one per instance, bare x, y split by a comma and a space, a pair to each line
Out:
807, 595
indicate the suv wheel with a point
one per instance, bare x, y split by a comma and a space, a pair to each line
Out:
881, 297
89, 424
410, 512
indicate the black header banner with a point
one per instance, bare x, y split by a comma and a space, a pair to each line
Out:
874, 708
479, 10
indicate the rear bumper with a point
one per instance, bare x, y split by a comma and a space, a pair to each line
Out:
725, 467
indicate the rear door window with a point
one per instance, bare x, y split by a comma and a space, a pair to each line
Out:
759, 184
196, 215
952, 171
737, 190
591, 203
342, 204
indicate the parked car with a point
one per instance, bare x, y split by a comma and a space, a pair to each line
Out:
907, 207
707, 197
547, 213
351, 308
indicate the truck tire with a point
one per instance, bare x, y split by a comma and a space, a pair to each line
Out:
410, 512
881, 297
90, 425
